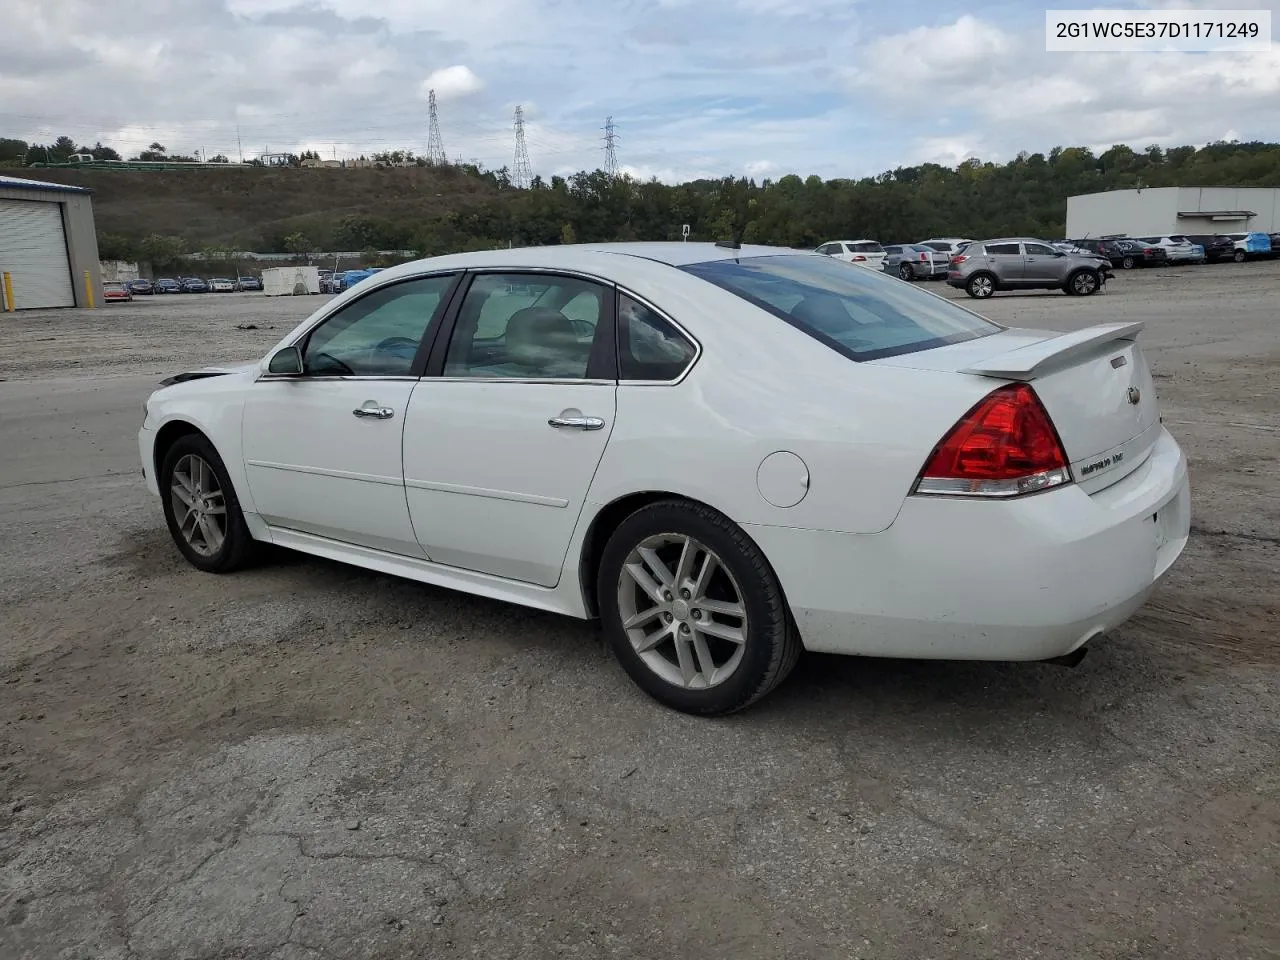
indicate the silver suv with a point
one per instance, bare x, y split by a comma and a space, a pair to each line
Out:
1021, 263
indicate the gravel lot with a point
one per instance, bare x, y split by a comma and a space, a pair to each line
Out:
306, 760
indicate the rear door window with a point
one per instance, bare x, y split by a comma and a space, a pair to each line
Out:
862, 314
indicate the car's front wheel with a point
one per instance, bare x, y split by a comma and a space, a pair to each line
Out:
905, 272
1083, 283
1128, 263
201, 507
693, 611
1238, 256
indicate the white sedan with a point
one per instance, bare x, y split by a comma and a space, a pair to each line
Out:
726, 455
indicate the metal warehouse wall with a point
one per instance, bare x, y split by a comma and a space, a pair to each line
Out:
81, 236
1137, 213
1264, 201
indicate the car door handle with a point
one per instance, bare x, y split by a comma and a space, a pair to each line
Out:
580, 423
374, 413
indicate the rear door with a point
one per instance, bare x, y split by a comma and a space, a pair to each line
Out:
504, 434
1005, 261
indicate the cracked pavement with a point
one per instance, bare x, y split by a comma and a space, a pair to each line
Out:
310, 761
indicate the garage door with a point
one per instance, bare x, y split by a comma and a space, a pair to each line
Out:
33, 249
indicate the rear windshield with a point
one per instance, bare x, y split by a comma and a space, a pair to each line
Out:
861, 313
940, 247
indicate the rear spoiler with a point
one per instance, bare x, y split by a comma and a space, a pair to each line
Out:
1025, 363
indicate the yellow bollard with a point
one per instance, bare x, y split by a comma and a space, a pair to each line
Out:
88, 289
6, 294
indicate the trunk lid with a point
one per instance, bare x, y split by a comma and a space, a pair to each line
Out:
1095, 384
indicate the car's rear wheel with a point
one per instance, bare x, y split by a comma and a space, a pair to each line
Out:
1083, 283
693, 611
905, 272
980, 286
1128, 263
201, 507
1238, 256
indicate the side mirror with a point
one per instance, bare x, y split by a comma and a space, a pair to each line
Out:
286, 362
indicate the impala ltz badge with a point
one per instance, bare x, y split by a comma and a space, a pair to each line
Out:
1134, 395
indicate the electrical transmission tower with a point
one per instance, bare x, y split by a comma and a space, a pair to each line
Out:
610, 154
521, 169
435, 143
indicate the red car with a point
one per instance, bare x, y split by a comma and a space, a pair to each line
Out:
115, 290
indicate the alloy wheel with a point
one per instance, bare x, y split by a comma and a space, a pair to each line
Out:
1084, 283
683, 611
199, 505
981, 287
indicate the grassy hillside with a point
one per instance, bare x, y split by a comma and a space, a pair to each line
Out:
255, 208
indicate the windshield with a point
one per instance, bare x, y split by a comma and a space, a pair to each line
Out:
860, 313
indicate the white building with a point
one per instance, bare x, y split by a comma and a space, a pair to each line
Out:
1160, 211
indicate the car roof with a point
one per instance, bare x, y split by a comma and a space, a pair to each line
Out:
589, 257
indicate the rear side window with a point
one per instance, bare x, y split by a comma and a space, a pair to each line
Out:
863, 314
867, 246
649, 345
994, 249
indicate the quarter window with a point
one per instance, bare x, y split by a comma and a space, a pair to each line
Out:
377, 335
527, 326
649, 346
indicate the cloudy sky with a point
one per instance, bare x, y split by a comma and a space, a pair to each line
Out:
695, 87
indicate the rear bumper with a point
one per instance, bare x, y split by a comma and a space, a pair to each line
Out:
955, 579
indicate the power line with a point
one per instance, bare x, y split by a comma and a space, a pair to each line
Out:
435, 143
610, 154
521, 168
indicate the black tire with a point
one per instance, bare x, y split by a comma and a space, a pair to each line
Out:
976, 288
905, 272
238, 546
1083, 283
1238, 256
1128, 263
772, 645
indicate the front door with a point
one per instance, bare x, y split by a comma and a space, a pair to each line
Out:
322, 451
1043, 264
500, 450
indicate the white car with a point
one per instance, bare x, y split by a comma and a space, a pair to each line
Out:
865, 253
221, 285
948, 245
725, 454
1179, 248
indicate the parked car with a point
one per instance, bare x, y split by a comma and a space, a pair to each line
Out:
1179, 248
167, 285
140, 287
1216, 247
1019, 263
1251, 245
1274, 240
249, 283
984, 459
1125, 253
865, 253
915, 261
948, 245
194, 285
222, 285
115, 291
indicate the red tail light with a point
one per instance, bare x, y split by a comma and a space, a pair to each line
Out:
958, 259
1004, 447
923, 255
859, 258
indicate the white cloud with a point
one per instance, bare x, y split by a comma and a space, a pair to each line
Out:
452, 83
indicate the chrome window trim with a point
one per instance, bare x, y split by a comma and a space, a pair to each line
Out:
304, 378
561, 381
